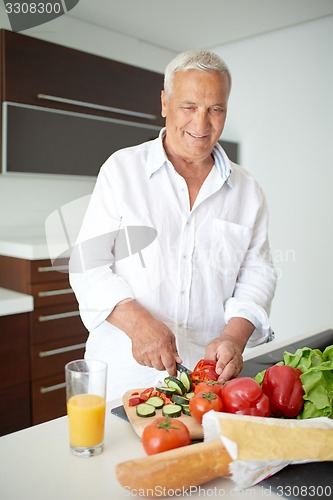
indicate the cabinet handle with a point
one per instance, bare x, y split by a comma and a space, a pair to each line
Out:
48, 269
51, 293
51, 388
51, 317
91, 105
61, 350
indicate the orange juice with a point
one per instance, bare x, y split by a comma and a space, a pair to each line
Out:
86, 414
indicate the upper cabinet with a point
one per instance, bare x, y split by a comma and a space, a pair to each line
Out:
68, 110
45, 74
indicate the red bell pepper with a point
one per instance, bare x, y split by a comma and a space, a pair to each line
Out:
283, 386
204, 371
244, 396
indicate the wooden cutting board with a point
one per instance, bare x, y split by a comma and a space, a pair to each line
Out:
139, 423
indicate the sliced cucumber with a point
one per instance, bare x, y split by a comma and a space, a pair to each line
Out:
180, 400
155, 401
172, 410
169, 391
189, 395
176, 384
186, 381
145, 410
186, 410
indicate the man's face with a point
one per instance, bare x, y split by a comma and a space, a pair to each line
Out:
195, 113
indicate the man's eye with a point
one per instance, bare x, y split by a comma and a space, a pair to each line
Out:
216, 110
189, 108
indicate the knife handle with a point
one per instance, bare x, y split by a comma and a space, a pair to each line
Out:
176, 469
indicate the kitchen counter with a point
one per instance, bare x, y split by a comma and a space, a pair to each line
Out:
14, 302
31, 246
36, 464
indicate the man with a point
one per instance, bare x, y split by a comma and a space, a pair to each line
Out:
200, 281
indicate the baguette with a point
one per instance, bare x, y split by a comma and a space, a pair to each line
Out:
175, 470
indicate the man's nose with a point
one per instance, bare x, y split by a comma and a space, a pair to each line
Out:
201, 121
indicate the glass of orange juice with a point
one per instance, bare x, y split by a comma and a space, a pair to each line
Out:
86, 392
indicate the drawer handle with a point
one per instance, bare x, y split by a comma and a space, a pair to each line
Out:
52, 293
48, 269
51, 388
51, 317
60, 350
96, 106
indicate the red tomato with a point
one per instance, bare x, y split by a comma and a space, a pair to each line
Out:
163, 434
202, 402
244, 396
209, 386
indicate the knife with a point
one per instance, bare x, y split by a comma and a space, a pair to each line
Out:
182, 368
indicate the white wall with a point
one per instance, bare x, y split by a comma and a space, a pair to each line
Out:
280, 112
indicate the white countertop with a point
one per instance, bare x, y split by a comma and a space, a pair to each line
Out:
24, 246
14, 302
36, 464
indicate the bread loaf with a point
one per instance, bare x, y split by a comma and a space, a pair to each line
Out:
174, 470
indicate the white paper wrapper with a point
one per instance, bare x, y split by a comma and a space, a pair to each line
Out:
261, 446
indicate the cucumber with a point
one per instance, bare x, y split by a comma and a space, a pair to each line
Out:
189, 395
155, 401
176, 384
186, 381
145, 410
168, 391
180, 400
186, 410
172, 410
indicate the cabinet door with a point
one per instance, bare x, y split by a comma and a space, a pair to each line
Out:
48, 399
34, 67
50, 358
15, 408
14, 350
14, 373
54, 323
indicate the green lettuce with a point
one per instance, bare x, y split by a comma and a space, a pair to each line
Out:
317, 380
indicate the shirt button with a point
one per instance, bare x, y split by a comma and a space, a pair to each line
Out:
183, 292
184, 256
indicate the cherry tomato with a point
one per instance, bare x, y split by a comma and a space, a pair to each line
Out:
202, 402
209, 386
163, 434
244, 396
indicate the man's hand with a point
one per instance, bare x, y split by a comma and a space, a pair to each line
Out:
153, 343
228, 348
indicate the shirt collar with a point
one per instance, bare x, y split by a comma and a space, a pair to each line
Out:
157, 157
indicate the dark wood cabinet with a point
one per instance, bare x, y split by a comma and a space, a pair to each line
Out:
55, 333
33, 67
14, 373
70, 110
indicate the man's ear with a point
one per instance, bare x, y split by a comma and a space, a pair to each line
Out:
163, 104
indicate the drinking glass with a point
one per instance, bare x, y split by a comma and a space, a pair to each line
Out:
85, 394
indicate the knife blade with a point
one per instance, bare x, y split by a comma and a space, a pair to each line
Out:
182, 368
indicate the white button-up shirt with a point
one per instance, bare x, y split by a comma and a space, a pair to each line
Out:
193, 269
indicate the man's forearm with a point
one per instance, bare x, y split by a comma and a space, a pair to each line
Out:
128, 316
238, 330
